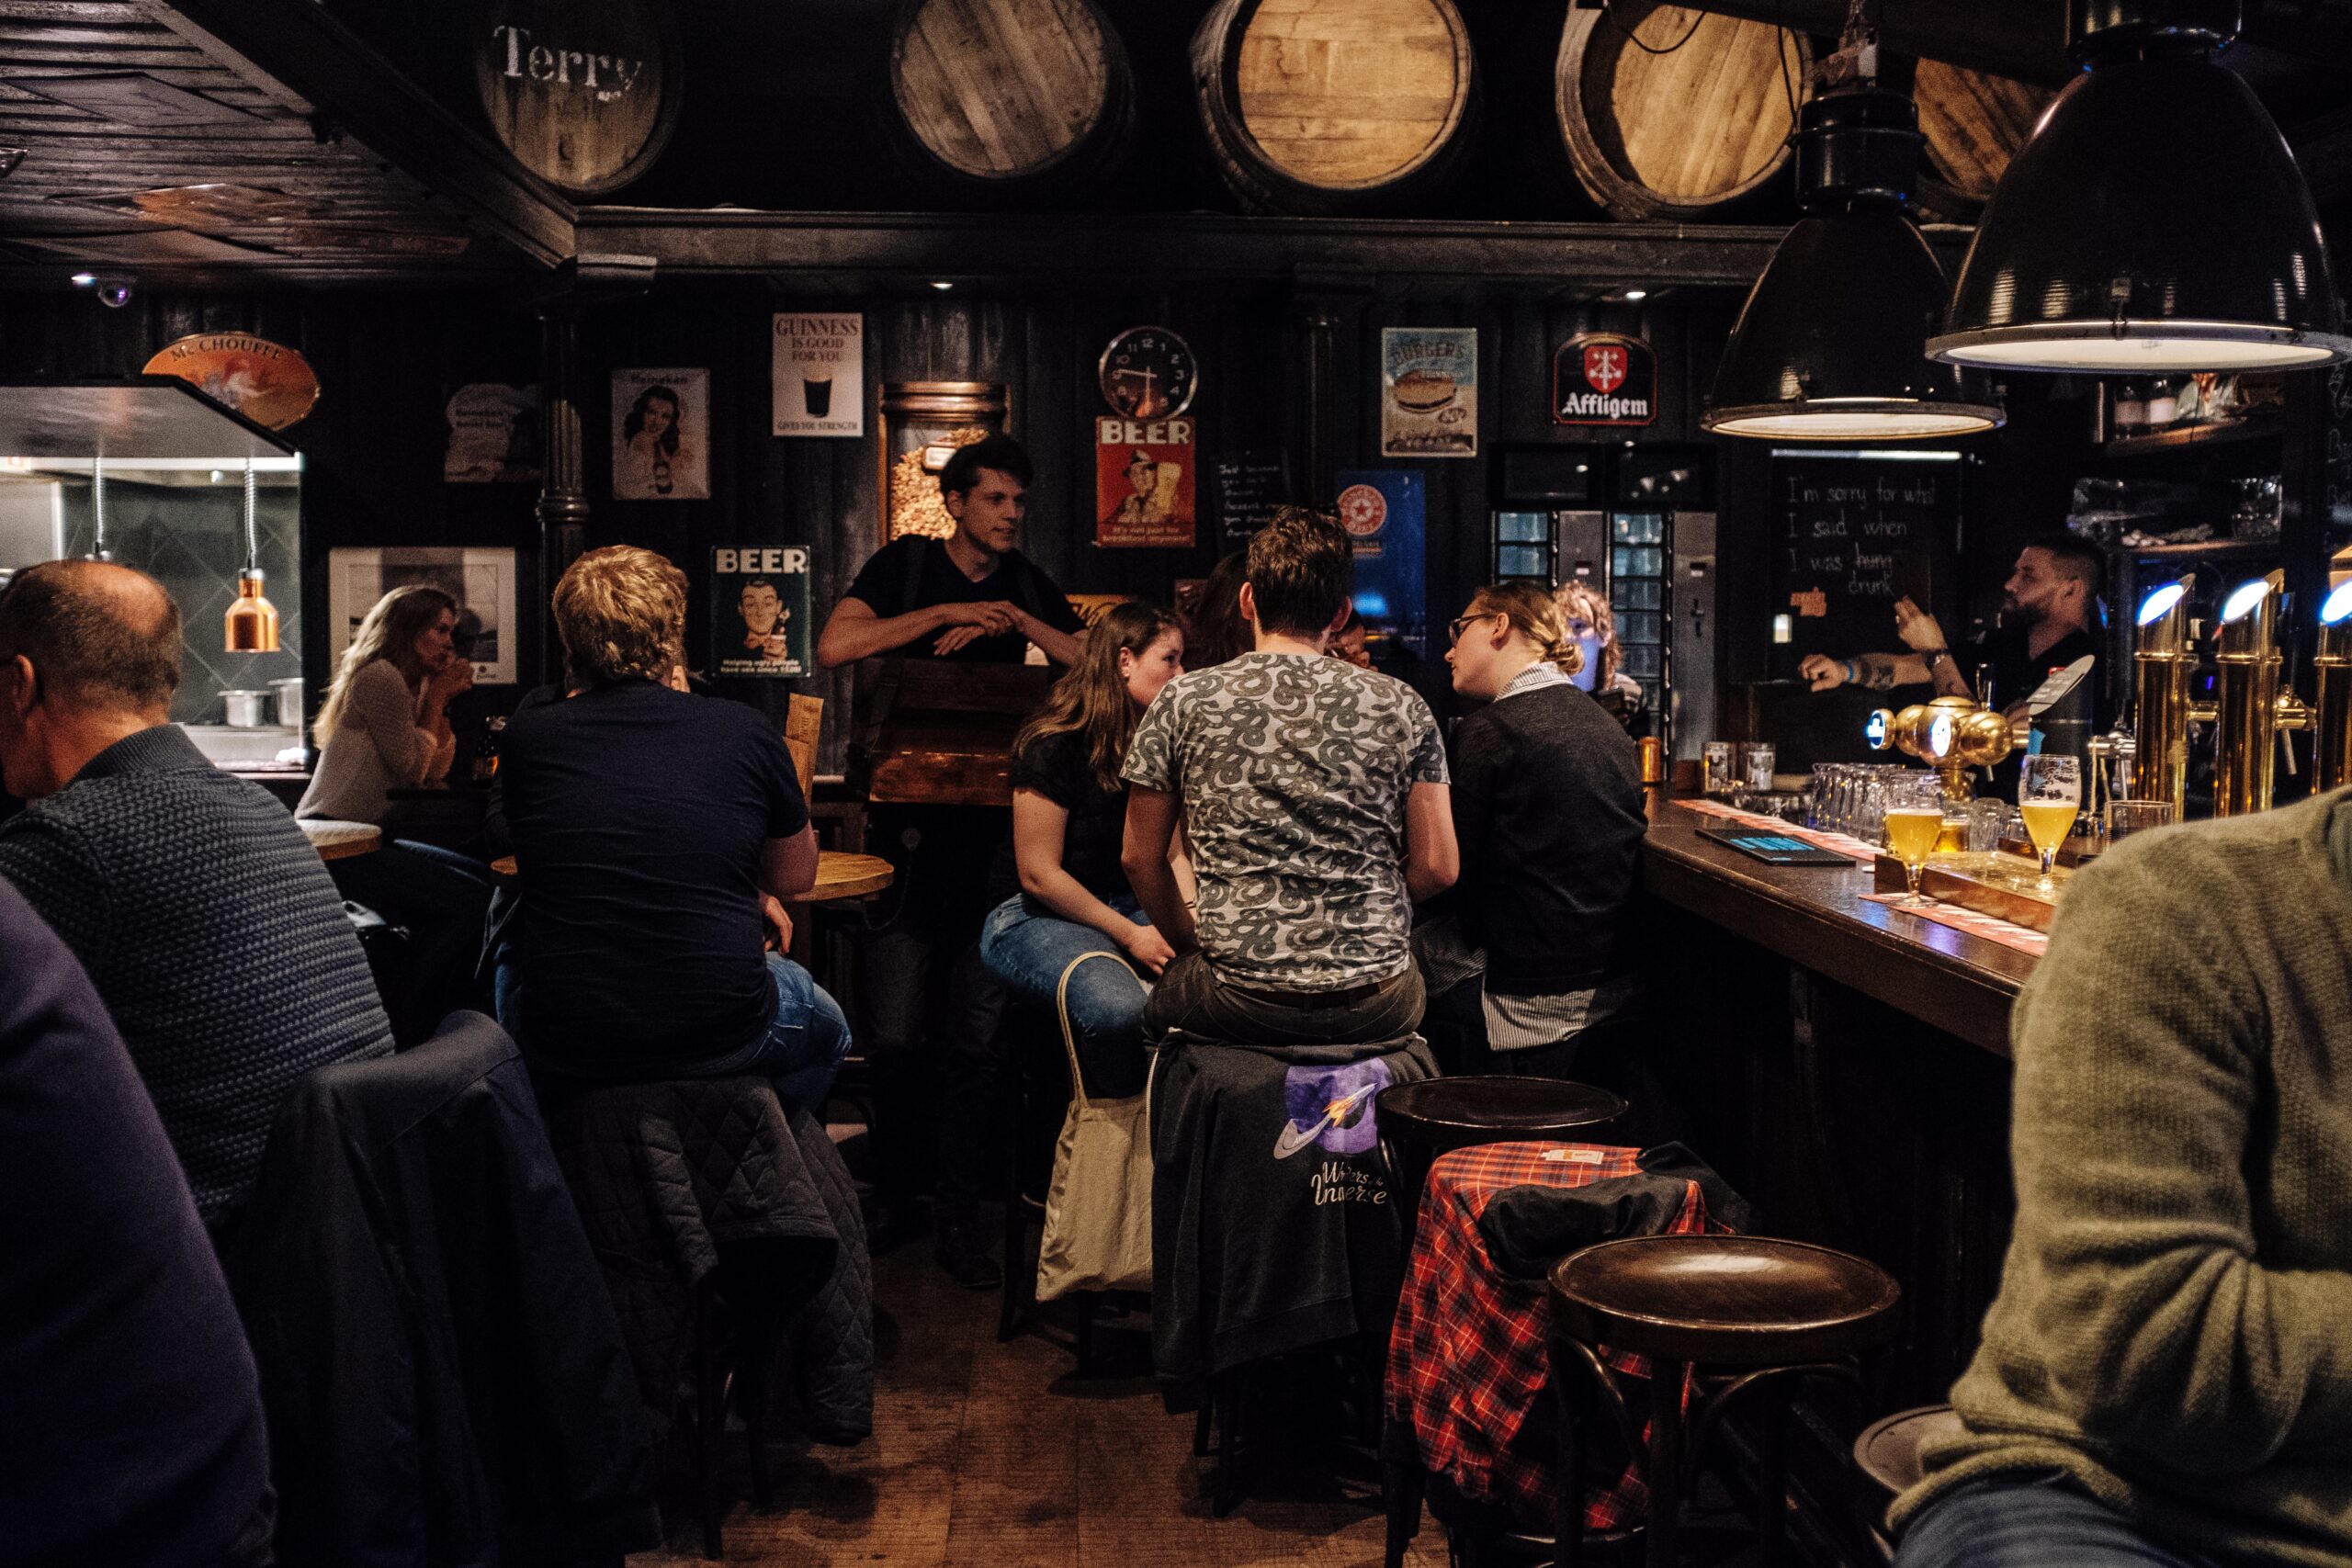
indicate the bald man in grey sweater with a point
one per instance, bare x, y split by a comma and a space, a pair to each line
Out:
204, 917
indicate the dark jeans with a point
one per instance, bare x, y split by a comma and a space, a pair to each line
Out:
2031, 1520
1188, 996
442, 897
932, 1008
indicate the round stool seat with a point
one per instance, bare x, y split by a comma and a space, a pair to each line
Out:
1443, 1115
1888, 1450
1724, 1300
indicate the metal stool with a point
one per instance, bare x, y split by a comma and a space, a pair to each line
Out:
1769, 1313
1421, 1120
1887, 1453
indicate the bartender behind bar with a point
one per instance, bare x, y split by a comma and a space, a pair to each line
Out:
976, 598
2048, 610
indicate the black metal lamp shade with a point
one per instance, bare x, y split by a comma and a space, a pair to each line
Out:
1830, 345
2156, 221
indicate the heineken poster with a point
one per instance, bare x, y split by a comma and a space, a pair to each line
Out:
759, 612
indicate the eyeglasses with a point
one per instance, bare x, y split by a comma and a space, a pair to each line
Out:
1453, 627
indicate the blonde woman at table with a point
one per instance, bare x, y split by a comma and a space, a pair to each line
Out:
1067, 894
385, 726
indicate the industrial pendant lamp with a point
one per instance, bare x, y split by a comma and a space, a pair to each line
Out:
2155, 221
252, 621
1830, 345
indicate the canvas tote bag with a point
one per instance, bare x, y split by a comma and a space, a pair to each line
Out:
1098, 1209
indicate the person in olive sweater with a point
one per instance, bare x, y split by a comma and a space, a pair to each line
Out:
1526, 963
2165, 1377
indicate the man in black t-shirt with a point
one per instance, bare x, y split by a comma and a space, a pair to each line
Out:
2047, 610
652, 831
972, 597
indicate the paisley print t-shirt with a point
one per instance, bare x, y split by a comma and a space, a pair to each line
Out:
1292, 771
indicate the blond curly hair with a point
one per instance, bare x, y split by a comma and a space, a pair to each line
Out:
1580, 601
621, 612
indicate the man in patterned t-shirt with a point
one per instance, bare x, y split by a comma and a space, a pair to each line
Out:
1313, 801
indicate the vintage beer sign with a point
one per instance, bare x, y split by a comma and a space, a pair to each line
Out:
1144, 472
759, 612
817, 373
268, 382
1604, 378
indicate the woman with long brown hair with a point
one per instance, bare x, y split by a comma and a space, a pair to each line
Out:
1068, 896
1529, 969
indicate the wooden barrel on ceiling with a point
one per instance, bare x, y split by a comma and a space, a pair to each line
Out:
585, 94
994, 93
1974, 123
1329, 106
1671, 114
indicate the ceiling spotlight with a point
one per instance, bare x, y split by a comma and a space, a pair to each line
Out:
2101, 252
83, 280
1636, 296
941, 284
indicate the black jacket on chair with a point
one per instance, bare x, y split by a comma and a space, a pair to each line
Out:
443, 1375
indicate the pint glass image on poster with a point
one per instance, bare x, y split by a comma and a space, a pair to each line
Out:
1428, 392
817, 373
662, 434
759, 611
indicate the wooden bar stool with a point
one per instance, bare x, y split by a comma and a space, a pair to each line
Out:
1887, 1453
1767, 1313
1421, 1120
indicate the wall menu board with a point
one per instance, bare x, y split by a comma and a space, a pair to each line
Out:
2335, 453
1850, 535
1250, 485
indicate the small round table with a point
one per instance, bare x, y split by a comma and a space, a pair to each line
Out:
341, 840
838, 874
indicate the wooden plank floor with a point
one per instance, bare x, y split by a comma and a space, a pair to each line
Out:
997, 1456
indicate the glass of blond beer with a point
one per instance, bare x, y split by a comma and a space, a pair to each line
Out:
2050, 793
1913, 820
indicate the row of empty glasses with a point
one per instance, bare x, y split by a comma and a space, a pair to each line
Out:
1852, 797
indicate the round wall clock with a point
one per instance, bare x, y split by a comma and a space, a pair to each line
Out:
1148, 373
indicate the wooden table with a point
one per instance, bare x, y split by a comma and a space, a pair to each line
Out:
839, 875
341, 840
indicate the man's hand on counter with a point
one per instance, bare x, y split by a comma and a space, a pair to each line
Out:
1822, 672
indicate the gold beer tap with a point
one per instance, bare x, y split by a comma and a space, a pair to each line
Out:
2251, 707
2330, 720
2161, 665
1951, 735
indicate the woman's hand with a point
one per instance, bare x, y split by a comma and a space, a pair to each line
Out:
778, 923
1147, 948
452, 678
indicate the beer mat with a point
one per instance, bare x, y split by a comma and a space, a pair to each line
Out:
1992, 928
1852, 847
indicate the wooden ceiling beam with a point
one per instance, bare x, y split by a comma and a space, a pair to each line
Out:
1078, 247
295, 43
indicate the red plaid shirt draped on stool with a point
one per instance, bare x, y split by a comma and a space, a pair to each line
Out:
1466, 1364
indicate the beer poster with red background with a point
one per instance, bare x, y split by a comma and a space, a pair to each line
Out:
1143, 483
1604, 378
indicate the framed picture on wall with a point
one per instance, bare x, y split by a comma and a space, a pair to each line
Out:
661, 434
482, 581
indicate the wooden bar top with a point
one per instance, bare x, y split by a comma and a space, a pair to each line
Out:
1816, 917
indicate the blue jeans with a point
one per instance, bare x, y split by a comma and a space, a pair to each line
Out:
2030, 1519
1028, 949
801, 1051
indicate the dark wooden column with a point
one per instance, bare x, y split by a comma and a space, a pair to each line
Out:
563, 495
1326, 306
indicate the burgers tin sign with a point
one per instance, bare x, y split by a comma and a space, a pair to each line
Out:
1604, 378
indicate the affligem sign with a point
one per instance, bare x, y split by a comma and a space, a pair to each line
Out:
1604, 378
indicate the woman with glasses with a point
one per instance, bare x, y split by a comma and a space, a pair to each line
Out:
1527, 966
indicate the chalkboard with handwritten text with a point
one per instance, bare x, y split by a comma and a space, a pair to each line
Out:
1248, 487
1850, 535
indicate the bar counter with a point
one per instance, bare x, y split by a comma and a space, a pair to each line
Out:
1815, 916
1845, 1065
